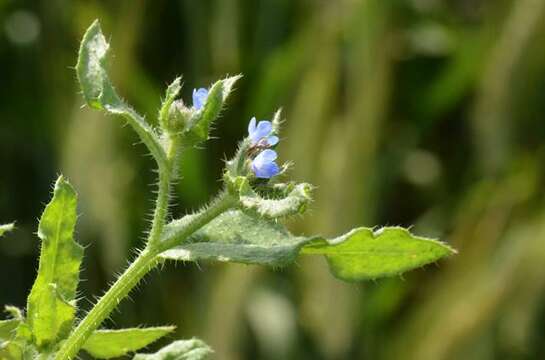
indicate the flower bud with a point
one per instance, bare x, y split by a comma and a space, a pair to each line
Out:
179, 117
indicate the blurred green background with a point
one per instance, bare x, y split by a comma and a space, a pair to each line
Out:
422, 113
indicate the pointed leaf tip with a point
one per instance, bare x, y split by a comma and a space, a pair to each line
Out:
6, 228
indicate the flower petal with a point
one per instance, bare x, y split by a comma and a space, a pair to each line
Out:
266, 156
199, 98
262, 130
251, 126
272, 140
266, 170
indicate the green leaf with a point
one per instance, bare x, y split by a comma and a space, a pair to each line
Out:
366, 254
106, 344
51, 303
199, 127
11, 350
172, 91
14, 312
193, 349
361, 254
294, 201
7, 328
6, 228
99, 92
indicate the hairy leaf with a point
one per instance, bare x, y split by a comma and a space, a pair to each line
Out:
7, 328
193, 349
106, 344
99, 92
361, 254
5, 228
172, 91
51, 305
10, 350
294, 202
199, 128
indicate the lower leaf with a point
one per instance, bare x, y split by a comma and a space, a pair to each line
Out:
106, 344
360, 254
193, 349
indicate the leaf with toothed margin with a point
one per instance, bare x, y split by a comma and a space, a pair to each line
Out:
193, 349
99, 92
106, 344
198, 129
51, 303
361, 254
6, 228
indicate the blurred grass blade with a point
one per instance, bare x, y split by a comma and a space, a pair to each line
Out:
106, 344
99, 92
361, 254
5, 228
193, 349
51, 307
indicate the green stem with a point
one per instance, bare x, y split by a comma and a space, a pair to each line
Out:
166, 175
119, 290
147, 260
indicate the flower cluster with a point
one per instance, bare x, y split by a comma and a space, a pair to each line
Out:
260, 134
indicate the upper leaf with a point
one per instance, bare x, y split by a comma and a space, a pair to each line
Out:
51, 307
198, 128
106, 344
5, 228
193, 349
361, 254
293, 200
99, 92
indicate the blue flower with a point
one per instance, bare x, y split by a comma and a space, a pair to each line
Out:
264, 166
199, 98
261, 132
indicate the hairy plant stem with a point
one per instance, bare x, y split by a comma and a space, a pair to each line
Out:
158, 241
166, 174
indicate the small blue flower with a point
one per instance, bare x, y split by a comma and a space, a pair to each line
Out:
199, 98
264, 166
261, 132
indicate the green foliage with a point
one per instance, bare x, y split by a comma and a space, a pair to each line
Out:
293, 200
193, 126
51, 303
193, 349
200, 124
7, 328
106, 344
366, 254
99, 92
5, 228
236, 236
